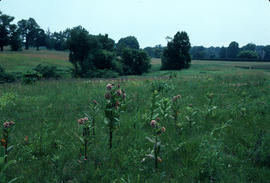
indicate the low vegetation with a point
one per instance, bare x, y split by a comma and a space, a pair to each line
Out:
164, 130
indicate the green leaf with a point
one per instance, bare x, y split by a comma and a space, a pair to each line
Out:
13, 180
10, 148
151, 140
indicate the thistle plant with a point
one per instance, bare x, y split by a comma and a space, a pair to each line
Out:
94, 109
84, 122
191, 112
115, 99
176, 109
164, 109
211, 109
154, 105
7, 127
157, 131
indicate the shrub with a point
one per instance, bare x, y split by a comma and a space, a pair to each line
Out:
5, 77
31, 77
47, 71
135, 62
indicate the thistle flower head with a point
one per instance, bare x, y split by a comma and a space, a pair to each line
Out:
153, 123
8, 124
163, 129
175, 98
109, 86
108, 95
82, 121
119, 92
95, 102
124, 95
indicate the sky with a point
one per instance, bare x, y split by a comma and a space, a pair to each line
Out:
207, 22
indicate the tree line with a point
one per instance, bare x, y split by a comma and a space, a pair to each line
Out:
94, 55
232, 52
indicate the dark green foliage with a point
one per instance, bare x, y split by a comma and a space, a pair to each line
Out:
223, 52
247, 55
30, 77
57, 40
15, 40
135, 62
249, 47
267, 52
5, 21
89, 53
40, 38
47, 71
28, 29
127, 42
154, 52
176, 55
5, 77
233, 50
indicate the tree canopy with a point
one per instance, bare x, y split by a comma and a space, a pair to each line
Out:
176, 54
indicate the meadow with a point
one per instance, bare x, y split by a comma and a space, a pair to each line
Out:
217, 131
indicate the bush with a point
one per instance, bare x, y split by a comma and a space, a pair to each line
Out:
248, 55
47, 71
5, 77
135, 61
31, 77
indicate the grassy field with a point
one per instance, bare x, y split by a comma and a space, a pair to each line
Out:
222, 133
28, 59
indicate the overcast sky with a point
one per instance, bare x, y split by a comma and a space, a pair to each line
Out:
207, 22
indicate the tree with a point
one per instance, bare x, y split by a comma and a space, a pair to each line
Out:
127, 42
28, 30
135, 62
5, 21
267, 52
249, 47
15, 40
233, 50
89, 53
248, 55
79, 46
39, 38
176, 54
223, 52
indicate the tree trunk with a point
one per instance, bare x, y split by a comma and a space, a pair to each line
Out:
2, 48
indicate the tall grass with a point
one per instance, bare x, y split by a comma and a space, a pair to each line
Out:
228, 141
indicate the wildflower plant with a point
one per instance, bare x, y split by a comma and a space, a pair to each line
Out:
164, 109
7, 127
155, 140
85, 123
115, 98
191, 112
211, 109
176, 109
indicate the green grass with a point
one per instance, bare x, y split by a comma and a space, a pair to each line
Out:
228, 142
28, 59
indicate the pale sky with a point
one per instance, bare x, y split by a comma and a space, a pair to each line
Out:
207, 22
